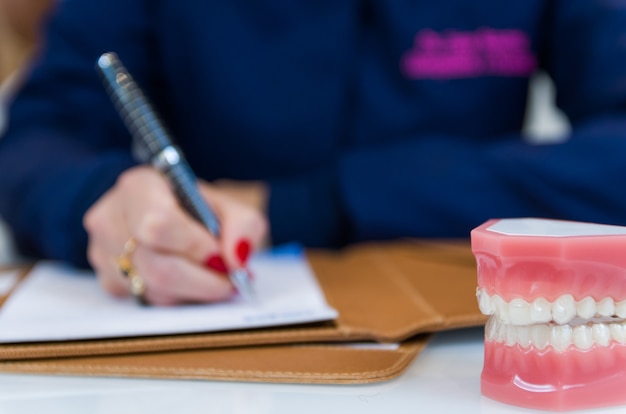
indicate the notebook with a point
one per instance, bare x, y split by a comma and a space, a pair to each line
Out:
388, 297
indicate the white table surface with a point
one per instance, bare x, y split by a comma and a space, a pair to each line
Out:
445, 378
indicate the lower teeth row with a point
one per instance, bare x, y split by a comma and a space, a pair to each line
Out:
559, 337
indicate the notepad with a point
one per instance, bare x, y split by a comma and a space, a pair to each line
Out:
58, 303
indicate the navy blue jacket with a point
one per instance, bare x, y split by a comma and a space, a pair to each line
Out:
369, 119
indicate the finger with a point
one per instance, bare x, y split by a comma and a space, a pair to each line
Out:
105, 225
243, 228
108, 273
107, 234
172, 280
157, 220
166, 288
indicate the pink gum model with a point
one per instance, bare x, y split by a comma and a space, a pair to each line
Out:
556, 293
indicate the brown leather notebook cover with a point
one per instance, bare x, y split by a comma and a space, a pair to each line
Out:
384, 292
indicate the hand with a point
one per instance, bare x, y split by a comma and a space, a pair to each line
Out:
176, 256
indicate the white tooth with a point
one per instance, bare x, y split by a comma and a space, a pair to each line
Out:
564, 309
540, 311
620, 309
586, 308
523, 336
582, 337
560, 337
540, 335
502, 309
606, 307
490, 329
618, 332
501, 332
484, 302
511, 335
519, 312
601, 334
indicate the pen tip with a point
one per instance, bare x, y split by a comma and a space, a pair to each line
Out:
243, 283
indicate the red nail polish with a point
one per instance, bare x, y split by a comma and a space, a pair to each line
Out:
243, 250
216, 262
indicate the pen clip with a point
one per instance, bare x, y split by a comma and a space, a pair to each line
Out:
149, 135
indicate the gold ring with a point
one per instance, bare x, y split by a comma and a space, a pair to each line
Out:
125, 264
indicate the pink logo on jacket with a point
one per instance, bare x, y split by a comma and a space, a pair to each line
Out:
456, 54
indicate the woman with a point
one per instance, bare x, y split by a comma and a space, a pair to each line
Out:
318, 121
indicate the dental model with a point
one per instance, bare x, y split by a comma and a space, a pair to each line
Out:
556, 293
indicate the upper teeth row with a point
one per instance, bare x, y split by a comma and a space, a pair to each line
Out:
563, 310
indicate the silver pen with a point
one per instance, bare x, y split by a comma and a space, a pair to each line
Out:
152, 144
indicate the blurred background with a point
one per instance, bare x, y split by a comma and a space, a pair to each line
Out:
20, 24
20, 35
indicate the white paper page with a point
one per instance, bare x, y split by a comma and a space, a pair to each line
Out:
57, 302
